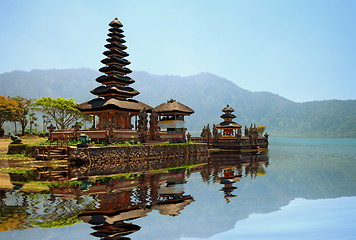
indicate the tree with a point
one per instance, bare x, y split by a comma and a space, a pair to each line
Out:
32, 120
23, 119
260, 130
62, 111
10, 110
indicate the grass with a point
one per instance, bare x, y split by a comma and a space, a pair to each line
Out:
31, 140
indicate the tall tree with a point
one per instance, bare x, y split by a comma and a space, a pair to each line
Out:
62, 111
26, 105
10, 110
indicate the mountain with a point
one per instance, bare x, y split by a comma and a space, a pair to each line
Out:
206, 93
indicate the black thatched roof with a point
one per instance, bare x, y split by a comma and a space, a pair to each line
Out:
115, 39
117, 33
115, 78
115, 23
115, 45
115, 53
115, 60
115, 68
228, 109
126, 92
228, 115
99, 104
173, 106
228, 125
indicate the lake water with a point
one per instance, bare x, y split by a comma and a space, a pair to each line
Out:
303, 189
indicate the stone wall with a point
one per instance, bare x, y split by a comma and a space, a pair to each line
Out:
28, 150
124, 159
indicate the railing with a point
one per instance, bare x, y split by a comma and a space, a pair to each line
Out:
61, 140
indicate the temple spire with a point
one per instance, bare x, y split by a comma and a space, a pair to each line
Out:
115, 82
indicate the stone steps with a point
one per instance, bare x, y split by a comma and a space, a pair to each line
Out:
56, 153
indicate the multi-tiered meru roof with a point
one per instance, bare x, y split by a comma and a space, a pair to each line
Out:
228, 116
114, 93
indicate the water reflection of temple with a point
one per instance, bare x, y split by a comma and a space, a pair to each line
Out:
228, 168
112, 203
123, 201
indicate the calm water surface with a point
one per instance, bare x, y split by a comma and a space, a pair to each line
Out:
303, 189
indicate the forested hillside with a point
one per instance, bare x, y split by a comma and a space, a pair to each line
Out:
206, 93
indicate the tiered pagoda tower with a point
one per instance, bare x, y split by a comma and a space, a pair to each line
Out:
114, 104
228, 127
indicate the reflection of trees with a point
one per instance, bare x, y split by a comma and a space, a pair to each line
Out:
13, 218
27, 210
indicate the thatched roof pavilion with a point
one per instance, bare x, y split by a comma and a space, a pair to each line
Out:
172, 107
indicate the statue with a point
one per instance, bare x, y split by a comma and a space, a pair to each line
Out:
247, 132
188, 137
142, 124
215, 133
15, 139
85, 141
238, 135
206, 134
154, 130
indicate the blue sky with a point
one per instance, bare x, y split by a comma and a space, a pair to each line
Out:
303, 49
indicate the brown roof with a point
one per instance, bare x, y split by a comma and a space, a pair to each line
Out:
174, 208
228, 109
115, 23
173, 106
228, 125
114, 89
99, 104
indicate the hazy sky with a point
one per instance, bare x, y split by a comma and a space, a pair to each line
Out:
302, 50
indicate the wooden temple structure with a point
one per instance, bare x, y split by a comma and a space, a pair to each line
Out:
228, 128
120, 116
171, 117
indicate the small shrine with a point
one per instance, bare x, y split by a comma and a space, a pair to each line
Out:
228, 135
171, 116
228, 128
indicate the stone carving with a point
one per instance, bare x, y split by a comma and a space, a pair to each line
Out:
154, 130
247, 132
85, 141
206, 133
188, 137
142, 125
215, 133
15, 139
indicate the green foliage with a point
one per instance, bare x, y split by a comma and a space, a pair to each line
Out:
65, 221
23, 118
260, 130
10, 110
177, 140
62, 111
207, 94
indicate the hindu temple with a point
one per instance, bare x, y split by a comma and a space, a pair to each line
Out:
228, 135
114, 105
120, 116
228, 128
